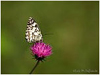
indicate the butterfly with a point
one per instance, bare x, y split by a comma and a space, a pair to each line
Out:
33, 32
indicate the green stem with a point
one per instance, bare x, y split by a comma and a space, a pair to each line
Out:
34, 67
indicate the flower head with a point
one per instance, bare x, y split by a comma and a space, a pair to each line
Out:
41, 50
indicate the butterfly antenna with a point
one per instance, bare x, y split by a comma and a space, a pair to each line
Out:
48, 34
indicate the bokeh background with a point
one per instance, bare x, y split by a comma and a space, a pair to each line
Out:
72, 29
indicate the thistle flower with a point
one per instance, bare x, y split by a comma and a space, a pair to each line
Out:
41, 50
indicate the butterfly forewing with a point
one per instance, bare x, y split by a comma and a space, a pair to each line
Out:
33, 33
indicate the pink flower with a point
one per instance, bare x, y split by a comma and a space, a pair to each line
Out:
40, 50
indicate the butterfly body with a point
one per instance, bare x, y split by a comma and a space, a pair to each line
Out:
33, 33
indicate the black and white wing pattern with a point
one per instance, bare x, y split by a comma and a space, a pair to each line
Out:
33, 33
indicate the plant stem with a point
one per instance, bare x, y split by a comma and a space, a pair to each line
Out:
34, 67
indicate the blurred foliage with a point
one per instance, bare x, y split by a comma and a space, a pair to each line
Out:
72, 29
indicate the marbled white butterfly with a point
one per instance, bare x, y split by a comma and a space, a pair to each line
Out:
33, 33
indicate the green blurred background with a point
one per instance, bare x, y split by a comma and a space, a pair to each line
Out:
73, 32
